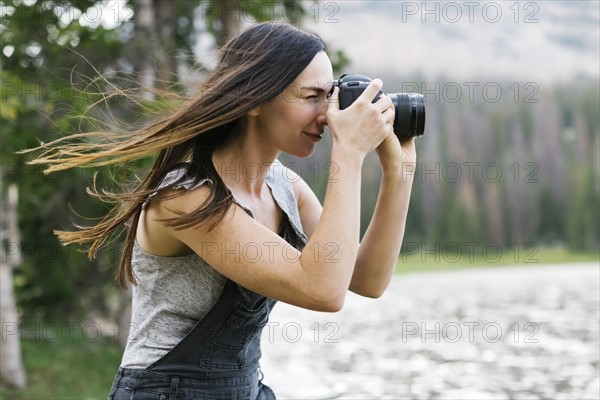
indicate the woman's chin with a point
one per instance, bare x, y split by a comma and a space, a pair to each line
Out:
305, 153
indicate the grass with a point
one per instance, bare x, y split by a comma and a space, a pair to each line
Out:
66, 368
451, 257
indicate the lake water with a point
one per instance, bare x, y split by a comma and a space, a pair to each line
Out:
496, 333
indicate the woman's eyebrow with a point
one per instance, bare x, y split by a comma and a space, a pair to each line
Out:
315, 88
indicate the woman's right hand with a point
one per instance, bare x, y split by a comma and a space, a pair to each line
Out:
364, 125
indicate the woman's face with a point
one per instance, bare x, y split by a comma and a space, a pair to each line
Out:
293, 122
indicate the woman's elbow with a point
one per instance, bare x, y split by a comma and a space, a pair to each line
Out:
335, 305
329, 302
372, 291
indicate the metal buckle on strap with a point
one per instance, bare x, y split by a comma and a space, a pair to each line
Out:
261, 374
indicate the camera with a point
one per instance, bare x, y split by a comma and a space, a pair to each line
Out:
410, 107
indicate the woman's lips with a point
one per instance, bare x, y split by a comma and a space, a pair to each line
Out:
314, 136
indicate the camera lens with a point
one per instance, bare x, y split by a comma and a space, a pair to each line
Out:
410, 114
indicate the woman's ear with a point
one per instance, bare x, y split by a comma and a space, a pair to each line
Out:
255, 112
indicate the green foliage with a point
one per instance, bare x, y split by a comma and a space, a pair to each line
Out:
45, 85
530, 256
584, 214
552, 224
461, 225
66, 366
528, 124
589, 104
339, 61
534, 177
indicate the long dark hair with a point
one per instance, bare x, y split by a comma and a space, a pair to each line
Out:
254, 67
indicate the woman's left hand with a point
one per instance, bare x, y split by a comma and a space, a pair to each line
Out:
396, 156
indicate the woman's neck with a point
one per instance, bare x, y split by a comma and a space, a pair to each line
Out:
244, 163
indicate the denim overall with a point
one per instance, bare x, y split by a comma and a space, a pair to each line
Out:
219, 357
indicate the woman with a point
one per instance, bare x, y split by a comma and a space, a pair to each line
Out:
211, 247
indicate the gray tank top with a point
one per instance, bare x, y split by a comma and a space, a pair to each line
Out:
174, 293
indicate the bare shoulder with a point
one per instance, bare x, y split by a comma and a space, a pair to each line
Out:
171, 203
153, 235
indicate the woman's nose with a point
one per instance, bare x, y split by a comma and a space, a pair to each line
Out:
321, 117
322, 120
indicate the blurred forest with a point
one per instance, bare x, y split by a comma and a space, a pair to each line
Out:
516, 170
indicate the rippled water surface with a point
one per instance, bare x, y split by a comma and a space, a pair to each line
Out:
498, 333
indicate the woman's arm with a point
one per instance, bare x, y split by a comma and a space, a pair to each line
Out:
378, 252
379, 249
257, 258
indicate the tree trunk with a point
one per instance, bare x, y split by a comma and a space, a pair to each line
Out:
230, 14
147, 44
166, 53
11, 364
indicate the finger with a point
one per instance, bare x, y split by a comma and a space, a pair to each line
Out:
334, 100
371, 91
385, 103
388, 126
389, 114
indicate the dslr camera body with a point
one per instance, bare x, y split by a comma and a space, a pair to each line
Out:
409, 120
